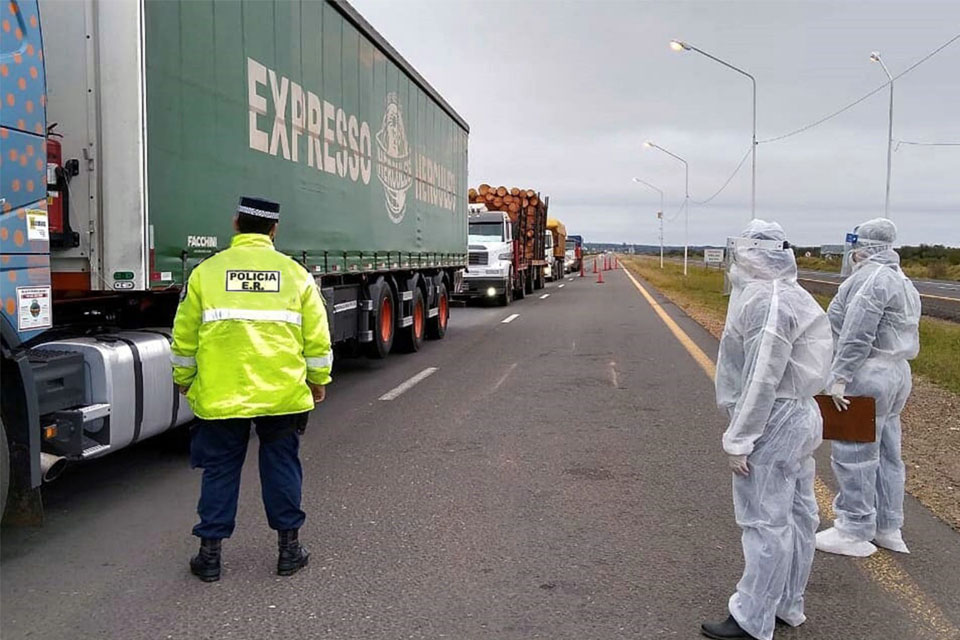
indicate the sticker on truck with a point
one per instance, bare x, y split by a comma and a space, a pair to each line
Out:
33, 308
37, 227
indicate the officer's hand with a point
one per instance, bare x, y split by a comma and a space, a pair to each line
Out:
319, 392
184, 389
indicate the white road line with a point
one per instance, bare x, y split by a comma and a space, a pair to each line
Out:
510, 318
570, 279
561, 286
545, 296
613, 375
402, 388
504, 377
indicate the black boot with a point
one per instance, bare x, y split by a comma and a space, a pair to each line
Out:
293, 556
206, 564
724, 630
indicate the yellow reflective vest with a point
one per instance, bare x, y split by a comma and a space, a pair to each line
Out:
250, 332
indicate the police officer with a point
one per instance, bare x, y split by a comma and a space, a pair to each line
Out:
250, 343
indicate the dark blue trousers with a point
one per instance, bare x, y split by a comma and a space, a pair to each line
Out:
219, 448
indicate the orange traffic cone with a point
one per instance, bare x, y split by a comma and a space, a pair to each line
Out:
594, 265
581, 267
600, 277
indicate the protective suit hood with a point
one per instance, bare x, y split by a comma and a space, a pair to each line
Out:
750, 263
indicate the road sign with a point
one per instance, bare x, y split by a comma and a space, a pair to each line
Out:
713, 256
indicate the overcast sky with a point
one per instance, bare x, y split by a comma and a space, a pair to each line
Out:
560, 96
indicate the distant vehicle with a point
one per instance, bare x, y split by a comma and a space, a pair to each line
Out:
555, 254
549, 272
574, 253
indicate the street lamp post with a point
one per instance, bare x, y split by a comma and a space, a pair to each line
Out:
659, 214
686, 199
680, 45
875, 56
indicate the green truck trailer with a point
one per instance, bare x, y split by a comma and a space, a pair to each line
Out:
162, 114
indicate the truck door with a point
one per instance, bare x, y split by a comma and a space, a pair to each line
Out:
24, 230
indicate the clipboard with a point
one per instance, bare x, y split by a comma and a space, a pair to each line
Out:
857, 424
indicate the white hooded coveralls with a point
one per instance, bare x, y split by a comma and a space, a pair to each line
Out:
774, 356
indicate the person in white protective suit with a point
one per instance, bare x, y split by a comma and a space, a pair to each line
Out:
875, 318
774, 356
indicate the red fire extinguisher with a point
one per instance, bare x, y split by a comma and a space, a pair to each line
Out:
54, 195
58, 192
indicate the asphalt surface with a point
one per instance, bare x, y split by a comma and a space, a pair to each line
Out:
940, 288
558, 476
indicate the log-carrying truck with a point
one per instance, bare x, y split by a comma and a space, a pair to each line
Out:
556, 253
507, 257
128, 132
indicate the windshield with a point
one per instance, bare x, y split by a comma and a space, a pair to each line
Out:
571, 245
548, 240
486, 231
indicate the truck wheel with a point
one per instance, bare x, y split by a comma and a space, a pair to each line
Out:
437, 327
520, 286
411, 338
4, 469
529, 282
383, 325
507, 296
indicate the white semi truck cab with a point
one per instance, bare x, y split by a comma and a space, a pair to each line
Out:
491, 269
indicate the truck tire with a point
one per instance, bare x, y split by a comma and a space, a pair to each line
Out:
410, 339
530, 282
520, 286
437, 327
383, 324
4, 469
507, 296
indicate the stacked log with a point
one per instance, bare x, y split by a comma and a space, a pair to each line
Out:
515, 202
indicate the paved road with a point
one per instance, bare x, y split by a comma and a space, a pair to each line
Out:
940, 288
558, 476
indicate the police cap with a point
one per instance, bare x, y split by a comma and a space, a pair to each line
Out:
259, 207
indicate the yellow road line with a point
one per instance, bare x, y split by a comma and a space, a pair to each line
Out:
881, 567
696, 352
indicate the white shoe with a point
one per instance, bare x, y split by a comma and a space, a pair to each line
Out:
892, 540
834, 541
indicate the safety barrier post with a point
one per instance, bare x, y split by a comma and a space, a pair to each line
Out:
600, 277
594, 265
581, 267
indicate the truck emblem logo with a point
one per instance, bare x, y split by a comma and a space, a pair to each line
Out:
394, 164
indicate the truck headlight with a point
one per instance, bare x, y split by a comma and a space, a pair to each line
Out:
505, 256
491, 292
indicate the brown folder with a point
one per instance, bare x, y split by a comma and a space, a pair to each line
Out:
858, 423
